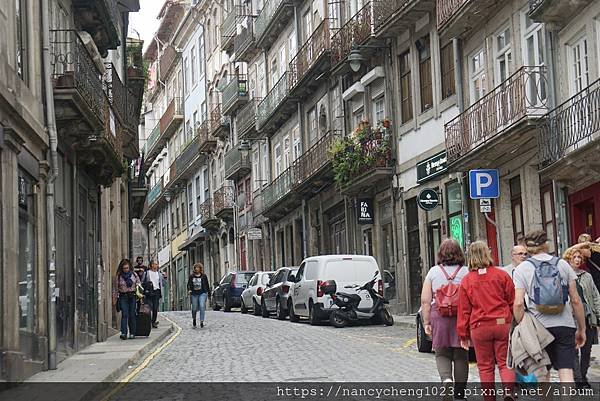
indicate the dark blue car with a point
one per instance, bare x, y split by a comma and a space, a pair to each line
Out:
228, 292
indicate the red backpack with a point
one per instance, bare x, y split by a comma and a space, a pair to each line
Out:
446, 297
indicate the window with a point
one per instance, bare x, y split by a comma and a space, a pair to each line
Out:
455, 219
308, 28
516, 203
447, 67
201, 55
405, 90
579, 69
22, 39
503, 56
292, 43
296, 137
478, 76
176, 219
205, 183
277, 151
193, 65
255, 170
378, 109
425, 80
533, 49
548, 224
190, 195
274, 73
262, 84
359, 116
286, 152
248, 192
282, 60
198, 195
186, 76
312, 126
265, 163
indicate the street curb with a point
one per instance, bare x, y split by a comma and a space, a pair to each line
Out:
404, 324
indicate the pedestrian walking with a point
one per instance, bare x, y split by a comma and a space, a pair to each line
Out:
124, 297
140, 268
518, 256
439, 308
152, 282
198, 288
590, 297
485, 307
591, 252
547, 286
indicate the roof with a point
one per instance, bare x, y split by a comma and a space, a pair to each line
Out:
170, 16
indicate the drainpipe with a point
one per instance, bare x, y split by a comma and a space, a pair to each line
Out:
53, 140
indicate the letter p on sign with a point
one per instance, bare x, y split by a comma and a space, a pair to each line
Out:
484, 184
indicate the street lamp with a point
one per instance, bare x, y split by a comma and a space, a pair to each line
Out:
355, 60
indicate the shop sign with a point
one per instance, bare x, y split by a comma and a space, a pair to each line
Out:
254, 234
365, 211
428, 199
429, 168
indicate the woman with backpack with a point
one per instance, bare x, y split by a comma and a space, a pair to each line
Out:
124, 297
199, 289
591, 305
485, 305
439, 307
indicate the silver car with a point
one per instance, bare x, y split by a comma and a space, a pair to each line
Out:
251, 297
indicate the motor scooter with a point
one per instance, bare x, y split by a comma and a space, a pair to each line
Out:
348, 310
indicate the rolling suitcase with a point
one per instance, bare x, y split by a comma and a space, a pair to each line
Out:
143, 324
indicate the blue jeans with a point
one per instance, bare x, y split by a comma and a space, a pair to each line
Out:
127, 306
199, 304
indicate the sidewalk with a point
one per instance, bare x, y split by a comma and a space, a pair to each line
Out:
82, 374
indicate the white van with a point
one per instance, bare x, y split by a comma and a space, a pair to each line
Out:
307, 298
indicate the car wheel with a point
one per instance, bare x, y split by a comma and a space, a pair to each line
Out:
337, 319
280, 312
312, 318
256, 309
386, 317
243, 308
423, 343
215, 306
293, 317
263, 309
226, 304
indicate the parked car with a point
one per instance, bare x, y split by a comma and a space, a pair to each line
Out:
275, 295
228, 292
349, 272
251, 296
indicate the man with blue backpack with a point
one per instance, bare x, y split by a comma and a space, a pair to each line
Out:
546, 285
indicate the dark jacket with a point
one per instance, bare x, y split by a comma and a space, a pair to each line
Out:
203, 282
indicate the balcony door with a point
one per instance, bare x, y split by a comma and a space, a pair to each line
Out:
533, 48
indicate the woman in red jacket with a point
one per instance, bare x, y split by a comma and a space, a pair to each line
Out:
485, 307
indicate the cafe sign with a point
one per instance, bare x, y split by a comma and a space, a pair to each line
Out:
365, 211
431, 167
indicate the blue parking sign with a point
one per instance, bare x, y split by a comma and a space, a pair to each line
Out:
484, 184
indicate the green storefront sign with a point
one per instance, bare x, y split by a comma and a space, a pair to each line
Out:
456, 228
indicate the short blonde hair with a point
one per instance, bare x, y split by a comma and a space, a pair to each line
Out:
570, 253
479, 256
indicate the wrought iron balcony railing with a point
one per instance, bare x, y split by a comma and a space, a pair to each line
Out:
206, 141
315, 46
235, 92
446, 9
186, 158
206, 211
116, 91
267, 14
152, 138
229, 25
274, 98
100, 19
570, 126
244, 44
223, 199
522, 95
73, 67
172, 117
132, 114
246, 119
279, 188
154, 193
219, 124
356, 31
237, 163
315, 158
383, 10
167, 61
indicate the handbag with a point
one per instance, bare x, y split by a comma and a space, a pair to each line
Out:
139, 291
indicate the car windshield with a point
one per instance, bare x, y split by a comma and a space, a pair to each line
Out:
243, 278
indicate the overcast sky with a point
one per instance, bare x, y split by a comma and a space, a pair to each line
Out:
144, 22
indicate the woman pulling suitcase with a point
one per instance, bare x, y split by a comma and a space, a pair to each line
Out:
124, 297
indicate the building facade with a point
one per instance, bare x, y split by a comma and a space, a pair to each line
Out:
66, 219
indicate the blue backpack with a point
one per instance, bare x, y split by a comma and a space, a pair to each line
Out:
550, 294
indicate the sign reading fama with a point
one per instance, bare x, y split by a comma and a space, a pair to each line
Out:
365, 211
432, 166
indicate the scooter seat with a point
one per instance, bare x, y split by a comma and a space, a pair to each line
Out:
355, 297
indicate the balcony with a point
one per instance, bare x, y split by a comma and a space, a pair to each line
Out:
493, 127
208, 220
556, 12
130, 126
276, 107
139, 191
150, 149
154, 200
278, 196
167, 62
117, 94
237, 164
235, 94
171, 118
78, 89
187, 162
244, 44
246, 120
391, 17
313, 166
101, 20
219, 124
271, 21
223, 202
568, 140
455, 18
206, 142
311, 60
355, 32
229, 26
